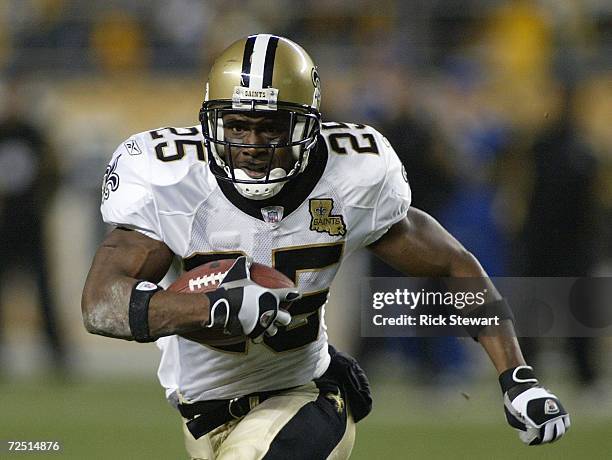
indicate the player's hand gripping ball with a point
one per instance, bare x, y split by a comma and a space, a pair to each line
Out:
246, 299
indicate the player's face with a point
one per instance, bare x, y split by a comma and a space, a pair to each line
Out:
270, 128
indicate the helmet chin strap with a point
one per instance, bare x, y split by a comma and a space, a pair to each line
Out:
259, 191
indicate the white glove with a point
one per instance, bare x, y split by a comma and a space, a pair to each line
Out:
531, 409
241, 306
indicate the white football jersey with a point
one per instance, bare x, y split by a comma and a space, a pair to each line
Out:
354, 188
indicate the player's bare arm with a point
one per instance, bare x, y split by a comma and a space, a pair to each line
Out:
419, 246
123, 258
127, 257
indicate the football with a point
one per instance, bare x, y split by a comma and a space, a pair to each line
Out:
207, 277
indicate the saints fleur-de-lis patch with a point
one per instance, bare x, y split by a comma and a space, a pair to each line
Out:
322, 220
110, 183
336, 399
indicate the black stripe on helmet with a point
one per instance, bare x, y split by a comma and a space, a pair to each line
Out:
269, 62
246, 61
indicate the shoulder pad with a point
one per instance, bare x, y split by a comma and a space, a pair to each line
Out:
358, 148
172, 152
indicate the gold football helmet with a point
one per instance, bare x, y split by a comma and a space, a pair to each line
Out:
255, 76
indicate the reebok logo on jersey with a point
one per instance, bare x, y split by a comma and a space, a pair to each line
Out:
322, 220
132, 147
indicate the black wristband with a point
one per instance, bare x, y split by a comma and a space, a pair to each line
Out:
517, 376
141, 295
497, 308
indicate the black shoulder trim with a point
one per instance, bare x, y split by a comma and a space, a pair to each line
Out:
122, 227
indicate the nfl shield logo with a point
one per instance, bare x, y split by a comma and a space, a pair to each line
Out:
272, 214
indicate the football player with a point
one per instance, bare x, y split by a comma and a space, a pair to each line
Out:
263, 179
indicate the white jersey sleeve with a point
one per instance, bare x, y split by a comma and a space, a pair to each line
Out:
394, 195
127, 199
370, 181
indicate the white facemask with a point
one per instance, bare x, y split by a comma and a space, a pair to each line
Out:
259, 191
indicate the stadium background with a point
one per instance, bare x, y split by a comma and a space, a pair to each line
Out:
477, 85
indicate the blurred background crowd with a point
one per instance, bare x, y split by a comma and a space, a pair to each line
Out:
500, 110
